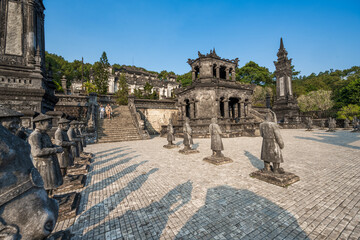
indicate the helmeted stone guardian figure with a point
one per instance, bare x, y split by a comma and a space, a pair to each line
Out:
271, 145
346, 124
332, 125
216, 141
271, 153
10, 119
170, 135
82, 133
217, 146
44, 153
74, 138
65, 158
322, 124
78, 134
26, 212
309, 124
188, 141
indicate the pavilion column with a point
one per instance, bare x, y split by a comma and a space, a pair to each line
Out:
242, 109
217, 108
192, 115
217, 71
183, 111
196, 106
227, 70
226, 108
236, 110
248, 109
233, 75
193, 75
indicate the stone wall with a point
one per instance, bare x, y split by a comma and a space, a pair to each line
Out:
73, 105
156, 113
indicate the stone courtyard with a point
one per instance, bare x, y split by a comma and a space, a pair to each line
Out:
140, 190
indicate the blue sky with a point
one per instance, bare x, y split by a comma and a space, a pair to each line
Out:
162, 35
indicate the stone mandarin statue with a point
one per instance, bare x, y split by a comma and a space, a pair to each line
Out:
74, 138
26, 212
65, 158
170, 133
309, 124
188, 141
44, 153
216, 141
271, 145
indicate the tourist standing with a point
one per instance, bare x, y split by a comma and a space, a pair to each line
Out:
108, 110
102, 112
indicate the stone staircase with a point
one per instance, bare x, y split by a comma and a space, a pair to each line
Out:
119, 128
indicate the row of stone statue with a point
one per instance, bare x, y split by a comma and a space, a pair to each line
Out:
24, 189
332, 124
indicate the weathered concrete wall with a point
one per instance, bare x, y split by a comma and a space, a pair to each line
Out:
155, 118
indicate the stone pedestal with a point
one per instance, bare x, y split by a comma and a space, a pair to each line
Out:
78, 169
218, 160
71, 183
280, 179
188, 151
168, 146
68, 204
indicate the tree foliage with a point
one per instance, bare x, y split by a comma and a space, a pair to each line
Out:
316, 101
349, 112
185, 79
123, 91
101, 74
253, 73
259, 96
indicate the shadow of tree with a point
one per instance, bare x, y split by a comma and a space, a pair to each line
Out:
335, 138
230, 213
256, 162
151, 219
106, 182
103, 208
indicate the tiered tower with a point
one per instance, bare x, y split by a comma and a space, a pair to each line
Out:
285, 105
24, 84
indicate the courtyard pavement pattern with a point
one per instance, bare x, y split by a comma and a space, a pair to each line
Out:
140, 190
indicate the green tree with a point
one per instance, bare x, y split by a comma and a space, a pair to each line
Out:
101, 74
253, 73
185, 79
138, 93
123, 92
259, 96
349, 94
315, 101
147, 89
349, 112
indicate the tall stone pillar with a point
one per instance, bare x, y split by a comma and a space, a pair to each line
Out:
196, 113
226, 108
63, 84
193, 75
31, 34
227, 70
242, 109
249, 106
217, 71
233, 75
183, 111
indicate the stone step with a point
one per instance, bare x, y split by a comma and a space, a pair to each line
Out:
102, 140
116, 129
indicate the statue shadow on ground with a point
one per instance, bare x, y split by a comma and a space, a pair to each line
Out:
179, 143
334, 138
195, 146
103, 154
109, 150
109, 159
256, 162
106, 182
103, 208
150, 220
230, 213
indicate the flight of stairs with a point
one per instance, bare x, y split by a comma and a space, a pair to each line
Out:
119, 128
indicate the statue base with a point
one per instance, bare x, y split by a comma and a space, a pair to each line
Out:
308, 130
280, 179
188, 151
71, 183
347, 128
68, 204
78, 169
86, 155
330, 131
82, 160
170, 146
218, 160
61, 235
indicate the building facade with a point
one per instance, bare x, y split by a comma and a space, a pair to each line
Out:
136, 79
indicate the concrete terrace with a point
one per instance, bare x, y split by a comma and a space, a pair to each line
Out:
140, 190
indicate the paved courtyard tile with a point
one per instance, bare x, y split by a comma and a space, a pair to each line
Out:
140, 190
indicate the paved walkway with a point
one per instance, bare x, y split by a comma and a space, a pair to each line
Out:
140, 190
